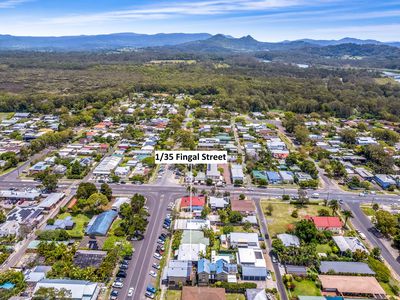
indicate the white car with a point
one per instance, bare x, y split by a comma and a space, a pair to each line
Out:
362, 194
118, 285
157, 256
130, 292
315, 195
153, 274
269, 277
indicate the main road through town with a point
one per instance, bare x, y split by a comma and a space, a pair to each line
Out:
162, 192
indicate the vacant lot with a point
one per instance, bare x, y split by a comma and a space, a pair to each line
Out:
281, 216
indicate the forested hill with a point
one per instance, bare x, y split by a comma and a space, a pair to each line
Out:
97, 42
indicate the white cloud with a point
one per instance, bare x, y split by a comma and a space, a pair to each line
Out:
11, 3
175, 9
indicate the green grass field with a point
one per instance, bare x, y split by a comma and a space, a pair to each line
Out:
281, 215
235, 297
173, 295
80, 224
323, 248
368, 211
305, 288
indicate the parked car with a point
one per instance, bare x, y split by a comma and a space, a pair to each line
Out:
121, 273
149, 295
151, 289
156, 266
153, 274
127, 257
118, 285
157, 256
123, 267
269, 277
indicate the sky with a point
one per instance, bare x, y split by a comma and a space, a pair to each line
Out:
265, 20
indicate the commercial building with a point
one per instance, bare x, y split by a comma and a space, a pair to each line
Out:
99, 225
79, 289
107, 165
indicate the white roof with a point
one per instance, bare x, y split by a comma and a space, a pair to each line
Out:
80, 289
191, 251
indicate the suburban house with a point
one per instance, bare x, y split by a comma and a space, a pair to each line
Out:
221, 270
177, 272
245, 207
333, 224
193, 203
349, 243
218, 202
243, 240
289, 240
253, 264
352, 286
345, 267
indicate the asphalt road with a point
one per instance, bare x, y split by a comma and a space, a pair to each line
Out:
363, 224
142, 260
264, 230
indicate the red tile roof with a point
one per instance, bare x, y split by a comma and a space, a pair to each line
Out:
196, 201
325, 222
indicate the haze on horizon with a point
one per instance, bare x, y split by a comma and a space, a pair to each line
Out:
265, 20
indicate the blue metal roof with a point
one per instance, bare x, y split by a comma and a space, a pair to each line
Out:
273, 176
102, 223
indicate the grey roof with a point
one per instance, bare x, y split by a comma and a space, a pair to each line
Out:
254, 271
51, 199
349, 243
345, 267
298, 270
178, 268
256, 294
289, 240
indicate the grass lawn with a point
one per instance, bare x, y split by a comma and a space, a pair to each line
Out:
281, 215
113, 240
323, 248
173, 295
80, 222
368, 211
5, 115
235, 297
241, 229
305, 288
387, 288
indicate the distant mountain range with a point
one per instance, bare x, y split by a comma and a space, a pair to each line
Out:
197, 42
97, 42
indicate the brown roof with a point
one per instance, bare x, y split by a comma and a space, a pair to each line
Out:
243, 205
352, 284
202, 293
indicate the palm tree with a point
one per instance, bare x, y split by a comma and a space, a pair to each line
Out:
347, 215
334, 205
